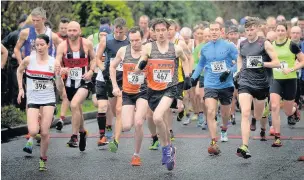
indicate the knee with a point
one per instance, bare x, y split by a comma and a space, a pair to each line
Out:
127, 127
210, 111
158, 119
74, 105
138, 123
33, 131
275, 107
246, 113
118, 110
102, 108
44, 134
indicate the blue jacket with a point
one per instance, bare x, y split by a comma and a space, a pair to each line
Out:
214, 59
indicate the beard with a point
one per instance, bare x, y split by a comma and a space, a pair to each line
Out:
73, 38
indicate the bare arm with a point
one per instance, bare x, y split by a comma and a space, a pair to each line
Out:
114, 63
4, 55
20, 71
239, 60
180, 54
100, 51
300, 57
188, 55
59, 55
56, 40
22, 38
145, 54
275, 63
92, 56
90, 38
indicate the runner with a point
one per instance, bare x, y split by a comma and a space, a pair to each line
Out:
76, 54
62, 34
110, 45
284, 84
40, 73
271, 36
256, 54
162, 58
134, 89
144, 26
217, 59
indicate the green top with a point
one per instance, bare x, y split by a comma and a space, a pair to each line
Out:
196, 53
287, 60
95, 39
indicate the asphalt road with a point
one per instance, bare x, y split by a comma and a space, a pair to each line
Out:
192, 161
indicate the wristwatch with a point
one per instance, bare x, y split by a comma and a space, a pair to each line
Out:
292, 69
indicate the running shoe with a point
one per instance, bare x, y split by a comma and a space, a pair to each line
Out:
102, 141
113, 146
263, 135
42, 165
277, 143
243, 152
253, 124
232, 119
297, 114
204, 126
172, 136
224, 136
154, 145
109, 132
170, 165
83, 140
194, 117
180, 116
28, 147
73, 142
59, 125
214, 149
187, 121
135, 161
301, 158
200, 121
291, 120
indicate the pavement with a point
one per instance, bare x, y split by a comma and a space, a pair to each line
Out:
192, 159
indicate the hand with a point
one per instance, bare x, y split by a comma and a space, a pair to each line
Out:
88, 75
58, 68
236, 79
257, 63
180, 105
225, 75
286, 71
116, 91
187, 83
20, 95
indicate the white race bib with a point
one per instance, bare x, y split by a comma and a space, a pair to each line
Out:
75, 73
218, 66
162, 75
251, 58
40, 85
120, 67
134, 78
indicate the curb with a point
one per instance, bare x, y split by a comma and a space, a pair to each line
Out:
9, 133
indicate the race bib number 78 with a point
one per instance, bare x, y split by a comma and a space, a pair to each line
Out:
162, 75
75, 73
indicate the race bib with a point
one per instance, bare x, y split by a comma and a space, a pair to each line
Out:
162, 75
75, 73
134, 78
218, 66
40, 85
251, 58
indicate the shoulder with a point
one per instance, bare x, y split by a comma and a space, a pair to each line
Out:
87, 42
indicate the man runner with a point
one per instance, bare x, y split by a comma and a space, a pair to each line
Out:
77, 56
161, 58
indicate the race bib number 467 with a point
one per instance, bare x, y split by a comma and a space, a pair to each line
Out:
75, 73
40, 85
218, 66
134, 78
250, 64
162, 75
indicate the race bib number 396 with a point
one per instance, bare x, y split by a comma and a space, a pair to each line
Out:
75, 73
250, 63
218, 66
40, 85
134, 78
162, 75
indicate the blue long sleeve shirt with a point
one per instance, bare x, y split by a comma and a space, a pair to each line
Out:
217, 57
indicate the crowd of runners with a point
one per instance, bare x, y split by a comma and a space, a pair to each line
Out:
203, 74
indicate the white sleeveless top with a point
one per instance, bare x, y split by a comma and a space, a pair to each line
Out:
40, 83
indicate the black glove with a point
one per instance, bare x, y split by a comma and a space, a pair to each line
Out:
236, 80
256, 62
187, 83
225, 75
